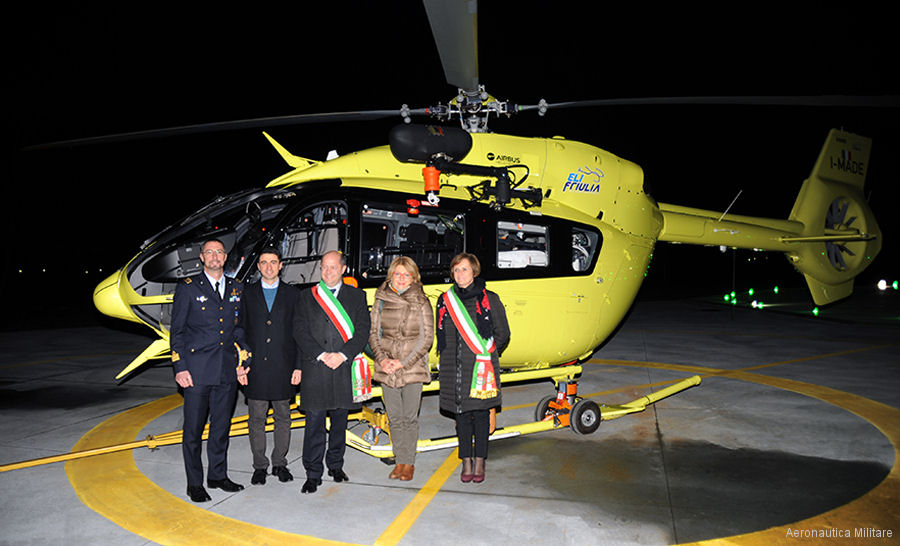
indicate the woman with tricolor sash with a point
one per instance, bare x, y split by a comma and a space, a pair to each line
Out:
471, 333
401, 334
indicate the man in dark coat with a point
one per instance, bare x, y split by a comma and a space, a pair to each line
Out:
205, 339
326, 388
267, 314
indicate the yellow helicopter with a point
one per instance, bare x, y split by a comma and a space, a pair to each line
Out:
565, 230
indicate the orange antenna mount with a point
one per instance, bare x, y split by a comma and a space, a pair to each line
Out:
432, 183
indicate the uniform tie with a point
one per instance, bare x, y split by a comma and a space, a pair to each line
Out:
218, 294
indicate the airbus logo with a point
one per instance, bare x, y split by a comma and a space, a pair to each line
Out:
503, 158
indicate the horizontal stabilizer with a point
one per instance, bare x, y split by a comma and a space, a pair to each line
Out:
829, 238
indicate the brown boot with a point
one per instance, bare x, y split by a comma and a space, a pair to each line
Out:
466, 475
408, 471
396, 472
478, 472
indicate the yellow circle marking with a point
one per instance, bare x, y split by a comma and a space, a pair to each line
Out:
876, 509
112, 486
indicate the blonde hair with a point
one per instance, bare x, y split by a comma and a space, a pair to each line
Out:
408, 264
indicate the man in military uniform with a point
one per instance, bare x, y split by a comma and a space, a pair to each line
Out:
328, 353
205, 340
267, 314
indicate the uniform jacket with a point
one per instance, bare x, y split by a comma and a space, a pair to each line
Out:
321, 387
457, 361
402, 328
270, 338
205, 329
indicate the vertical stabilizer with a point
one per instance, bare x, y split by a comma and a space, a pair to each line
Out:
840, 236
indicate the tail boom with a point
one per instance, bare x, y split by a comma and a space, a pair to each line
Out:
830, 237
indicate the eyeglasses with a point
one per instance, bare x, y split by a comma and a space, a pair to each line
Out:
210, 252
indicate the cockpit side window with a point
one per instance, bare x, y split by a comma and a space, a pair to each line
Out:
584, 247
242, 222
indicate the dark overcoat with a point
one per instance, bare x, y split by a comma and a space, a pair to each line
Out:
204, 330
270, 339
322, 388
457, 361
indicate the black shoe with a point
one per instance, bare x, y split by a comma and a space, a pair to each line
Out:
225, 485
284, 475
311, 485
259, 477
197, 493
338, 475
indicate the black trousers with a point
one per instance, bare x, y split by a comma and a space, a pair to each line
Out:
473, 426
314, 438
216, 402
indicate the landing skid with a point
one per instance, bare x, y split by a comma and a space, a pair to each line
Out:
565, 409
584, 416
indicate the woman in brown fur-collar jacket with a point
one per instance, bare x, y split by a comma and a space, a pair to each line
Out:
402, 330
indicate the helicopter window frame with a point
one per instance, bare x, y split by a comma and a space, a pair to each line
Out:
523, 245
424, 236
325, 230
252, 232
559, 236
586, 243
237, 220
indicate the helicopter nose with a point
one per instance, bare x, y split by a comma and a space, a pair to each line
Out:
108, 298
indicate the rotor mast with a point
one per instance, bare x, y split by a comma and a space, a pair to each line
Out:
455, 29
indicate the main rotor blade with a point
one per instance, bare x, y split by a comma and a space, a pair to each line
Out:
454, 24
875, 101
256, 123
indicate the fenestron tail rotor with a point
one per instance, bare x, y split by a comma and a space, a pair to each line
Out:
835, 219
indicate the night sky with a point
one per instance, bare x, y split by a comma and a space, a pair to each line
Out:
76, 72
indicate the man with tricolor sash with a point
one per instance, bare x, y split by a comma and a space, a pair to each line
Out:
331, 326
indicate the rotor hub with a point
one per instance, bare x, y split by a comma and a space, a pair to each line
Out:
473, 107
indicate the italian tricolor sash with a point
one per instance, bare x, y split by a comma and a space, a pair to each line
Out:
360, 374
484, 383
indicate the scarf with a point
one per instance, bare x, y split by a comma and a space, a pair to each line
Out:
482, 318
